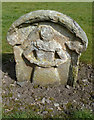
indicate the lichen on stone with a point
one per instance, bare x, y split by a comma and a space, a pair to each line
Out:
46, 41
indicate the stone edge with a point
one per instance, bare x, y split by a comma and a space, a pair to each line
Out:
53, 16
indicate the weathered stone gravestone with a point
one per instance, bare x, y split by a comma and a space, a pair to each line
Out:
47, 46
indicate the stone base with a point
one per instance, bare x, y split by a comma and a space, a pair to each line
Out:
44, 76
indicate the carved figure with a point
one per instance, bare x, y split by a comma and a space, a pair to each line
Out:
42, 52
47, 46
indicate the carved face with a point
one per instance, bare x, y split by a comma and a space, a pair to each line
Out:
46, 33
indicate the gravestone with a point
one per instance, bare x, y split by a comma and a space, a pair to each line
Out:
47, 46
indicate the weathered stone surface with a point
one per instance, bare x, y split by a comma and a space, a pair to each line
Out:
47, 46
48, 15
64, 75
46, 76
23, 70
45, 49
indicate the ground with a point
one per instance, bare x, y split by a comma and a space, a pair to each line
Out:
49, 101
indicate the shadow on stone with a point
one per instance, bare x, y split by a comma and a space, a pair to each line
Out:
8, 65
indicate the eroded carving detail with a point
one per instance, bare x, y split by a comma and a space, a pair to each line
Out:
42, 51
47, 46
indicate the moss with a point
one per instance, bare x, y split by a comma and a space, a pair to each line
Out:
8, 88
58, 14
75, 74
69, 105
7, 95
50, 110
51, 98
6, 107
10, 95
75, 71
35, 86
39, 98
29, 107
36, 109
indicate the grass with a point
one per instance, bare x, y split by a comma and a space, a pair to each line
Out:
85, 114
81, 114
80, 12
21, 114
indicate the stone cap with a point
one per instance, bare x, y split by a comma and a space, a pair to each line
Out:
49, 15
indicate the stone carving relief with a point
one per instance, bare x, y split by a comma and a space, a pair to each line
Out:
47, 46
45, 51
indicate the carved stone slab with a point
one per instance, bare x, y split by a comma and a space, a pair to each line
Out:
47, 46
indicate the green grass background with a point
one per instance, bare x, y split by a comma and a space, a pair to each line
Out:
80, 12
